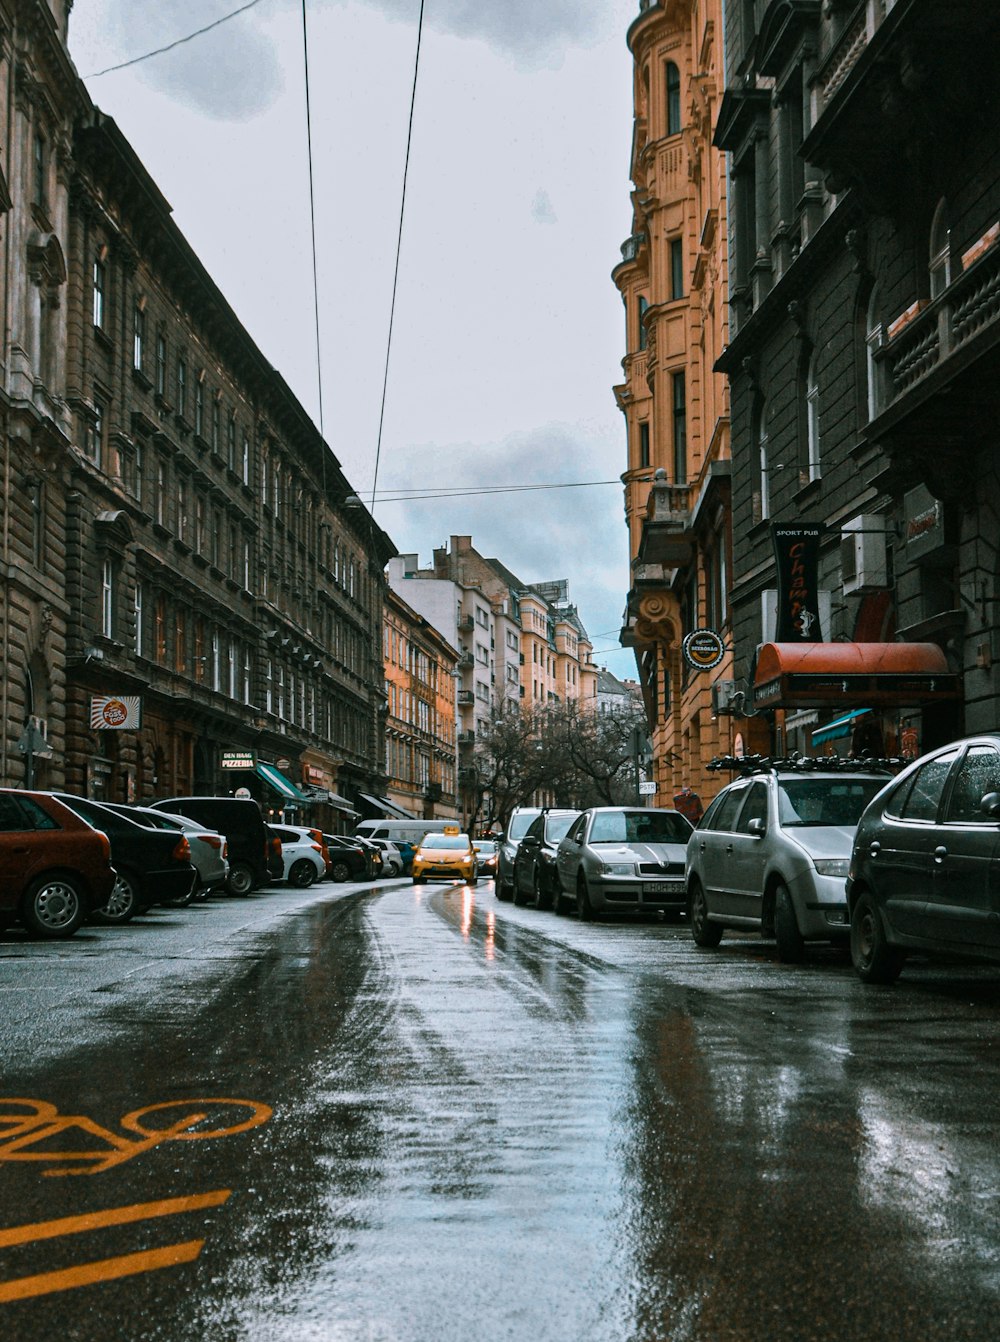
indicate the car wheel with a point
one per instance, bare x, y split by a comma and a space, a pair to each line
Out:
473, 880
504, 891
53, 907
705, 933
874, 959
543, 893
419, 880
791, 947
180, 901
340, 871
123, 902
239, 882
584, 908
519, 897
558, 906
302, 873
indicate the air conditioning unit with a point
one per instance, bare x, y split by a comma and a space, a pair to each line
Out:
863, 562
723, 692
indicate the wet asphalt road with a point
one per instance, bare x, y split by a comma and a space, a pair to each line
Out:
460, 1120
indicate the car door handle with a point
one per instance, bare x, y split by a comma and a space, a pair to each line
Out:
940, 853
729, 847
701, 847
875, 848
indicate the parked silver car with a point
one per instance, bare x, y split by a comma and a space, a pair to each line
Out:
517, 827
208, 847
771, 855
620, 858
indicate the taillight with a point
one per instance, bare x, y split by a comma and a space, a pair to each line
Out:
182, 850
213, 840
276, 846
225, 850
105, 844
316, 834
317, 847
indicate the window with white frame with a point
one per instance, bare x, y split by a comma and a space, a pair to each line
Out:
107, 598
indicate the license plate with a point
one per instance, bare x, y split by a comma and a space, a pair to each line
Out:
663, 888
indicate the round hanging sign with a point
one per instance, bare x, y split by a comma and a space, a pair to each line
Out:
703, 649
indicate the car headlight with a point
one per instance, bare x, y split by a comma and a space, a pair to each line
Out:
617, 869
831, 866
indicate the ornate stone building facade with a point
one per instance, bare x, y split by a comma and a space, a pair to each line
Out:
862, 141
177, 531
673, 282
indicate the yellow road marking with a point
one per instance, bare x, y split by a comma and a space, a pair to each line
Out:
114, 1216
106, 1269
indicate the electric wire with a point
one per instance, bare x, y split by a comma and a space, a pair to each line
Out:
399, 245
312, 226
148, 55
431, 492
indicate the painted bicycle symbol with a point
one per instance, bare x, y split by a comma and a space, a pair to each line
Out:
34, 1130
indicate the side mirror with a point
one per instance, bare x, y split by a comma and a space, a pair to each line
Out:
990, 805
757, 829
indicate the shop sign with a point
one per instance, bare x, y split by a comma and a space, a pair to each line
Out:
238, 759
313, 774
703, 649
796, 554
115, 712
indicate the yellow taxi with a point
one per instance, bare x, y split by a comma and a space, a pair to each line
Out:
447, 855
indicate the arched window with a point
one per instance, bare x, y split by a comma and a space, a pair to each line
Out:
940, 250
673, 99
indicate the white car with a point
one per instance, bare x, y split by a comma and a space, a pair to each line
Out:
208, 847
303, 852
392, 859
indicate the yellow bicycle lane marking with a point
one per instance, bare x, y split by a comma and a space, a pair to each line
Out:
26, 1124
23, 1133
105, 1269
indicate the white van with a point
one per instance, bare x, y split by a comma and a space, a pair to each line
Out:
399, 831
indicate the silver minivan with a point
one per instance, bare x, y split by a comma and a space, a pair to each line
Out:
771, 855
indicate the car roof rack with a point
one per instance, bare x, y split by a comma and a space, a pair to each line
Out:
795, 763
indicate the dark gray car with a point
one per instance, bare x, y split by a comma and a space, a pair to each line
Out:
923, 872
623, 858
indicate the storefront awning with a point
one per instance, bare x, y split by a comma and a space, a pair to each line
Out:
842, 726
384, 805
282, 785
818, 675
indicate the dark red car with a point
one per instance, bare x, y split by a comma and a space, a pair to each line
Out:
54, 867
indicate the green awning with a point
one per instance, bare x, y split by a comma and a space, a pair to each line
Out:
282, 785
842, 726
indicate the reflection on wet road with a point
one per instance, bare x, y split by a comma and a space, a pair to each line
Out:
493, 1122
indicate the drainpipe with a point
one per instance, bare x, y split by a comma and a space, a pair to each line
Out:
8, 228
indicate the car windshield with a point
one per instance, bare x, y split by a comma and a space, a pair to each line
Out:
445, 841
805, 802
639, 827
484, 845
519, 823
557, 826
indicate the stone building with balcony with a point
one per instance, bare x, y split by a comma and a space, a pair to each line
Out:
673, 283
421, 749
178, 536
862, 141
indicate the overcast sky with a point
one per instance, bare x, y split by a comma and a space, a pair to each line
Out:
508, 331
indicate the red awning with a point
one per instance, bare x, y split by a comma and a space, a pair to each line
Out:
817, 675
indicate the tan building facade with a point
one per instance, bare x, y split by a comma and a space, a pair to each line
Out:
420, 750
673, 282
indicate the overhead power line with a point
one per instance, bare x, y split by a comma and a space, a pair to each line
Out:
312, 226
148, 55
399, 245
458, 492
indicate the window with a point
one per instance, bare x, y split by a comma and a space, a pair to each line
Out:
673, 99
180, 642
138, 334
873, 341
924, 794
940, 250
978, 776
107, 598
140, 648
216, 422
40, 166
161, 364
762, 493
231, 442
37, 501
199, 405
643, 308
644, 444
812, 419
676, 268
137, 469
216, 661
100, 288
182, 386
95, 435
245, 461
679, 392
160, 502
160, 629
754, 808
182, 507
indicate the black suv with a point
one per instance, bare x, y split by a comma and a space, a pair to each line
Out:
253, 859
923, 868
535, 876
154, 866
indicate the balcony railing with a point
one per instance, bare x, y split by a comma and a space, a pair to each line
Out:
941, 330
847, 51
